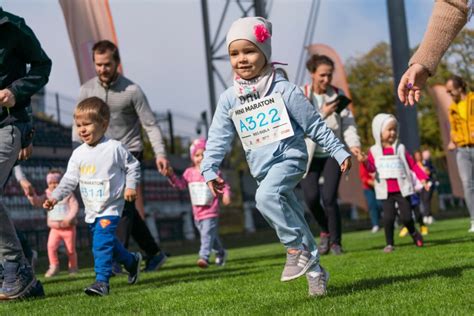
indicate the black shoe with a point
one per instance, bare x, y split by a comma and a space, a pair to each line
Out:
36, 291
134, 271
97, 288
155, 262
17, 280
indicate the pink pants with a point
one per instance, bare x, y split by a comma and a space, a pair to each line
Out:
54, 240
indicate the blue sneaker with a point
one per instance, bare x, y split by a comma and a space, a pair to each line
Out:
97, 288
134, 271
155, 262
17, 280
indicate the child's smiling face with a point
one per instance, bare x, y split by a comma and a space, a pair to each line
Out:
246, 59
389, 133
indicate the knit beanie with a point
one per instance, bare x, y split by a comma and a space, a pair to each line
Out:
197, 144
254, 29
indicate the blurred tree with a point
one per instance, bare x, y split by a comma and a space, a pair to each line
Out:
370, 81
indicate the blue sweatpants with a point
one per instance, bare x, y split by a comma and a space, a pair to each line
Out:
277, 202
107, 248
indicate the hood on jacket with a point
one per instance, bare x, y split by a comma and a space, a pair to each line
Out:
377, 123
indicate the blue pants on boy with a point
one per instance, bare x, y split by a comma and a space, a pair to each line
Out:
107, 248
277, 202
209, 231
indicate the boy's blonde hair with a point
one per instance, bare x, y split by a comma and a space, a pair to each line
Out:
95, 108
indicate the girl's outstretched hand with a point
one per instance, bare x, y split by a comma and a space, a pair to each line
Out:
346, 165
216, 186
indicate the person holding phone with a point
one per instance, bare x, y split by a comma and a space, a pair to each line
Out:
331, 103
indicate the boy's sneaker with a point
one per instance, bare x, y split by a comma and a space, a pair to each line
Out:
17, 280
134, 271
202, 263
424, 230
317, 282
97, 288
403, 232
52, 271
323, 247
336, 249
221, 259
296, 265
417, 239
155, 262
388, 249
375, 229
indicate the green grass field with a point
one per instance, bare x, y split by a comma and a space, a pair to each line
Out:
437, 279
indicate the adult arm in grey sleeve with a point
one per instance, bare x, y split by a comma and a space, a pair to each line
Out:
149, 123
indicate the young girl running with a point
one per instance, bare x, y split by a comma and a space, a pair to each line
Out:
62, 223
271, 117
393, 165
205, 205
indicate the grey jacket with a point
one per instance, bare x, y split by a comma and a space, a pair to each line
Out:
129, 111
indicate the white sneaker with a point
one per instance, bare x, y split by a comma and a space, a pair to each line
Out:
375, 229
430, 220
52, 271
425, 220
471, 230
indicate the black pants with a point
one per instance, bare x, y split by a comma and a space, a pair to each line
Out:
329, 217
132, 224
426, 201
390, 212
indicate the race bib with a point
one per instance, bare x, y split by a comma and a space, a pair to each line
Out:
262, 122
94, 193
59, 212
200, 193
390, 167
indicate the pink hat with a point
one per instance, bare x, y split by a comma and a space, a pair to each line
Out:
199, 143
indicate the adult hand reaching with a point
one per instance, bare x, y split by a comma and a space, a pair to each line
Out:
411, 83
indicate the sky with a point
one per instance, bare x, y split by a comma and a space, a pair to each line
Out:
162, 44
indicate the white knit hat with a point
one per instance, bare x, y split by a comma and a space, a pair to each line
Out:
254, 29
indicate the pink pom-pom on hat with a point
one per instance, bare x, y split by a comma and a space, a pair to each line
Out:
261, 33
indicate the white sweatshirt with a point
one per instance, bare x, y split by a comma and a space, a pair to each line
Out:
102, 172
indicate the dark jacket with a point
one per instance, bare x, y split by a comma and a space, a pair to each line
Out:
18, 48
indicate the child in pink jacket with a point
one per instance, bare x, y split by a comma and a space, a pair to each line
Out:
62, 223
205, 205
